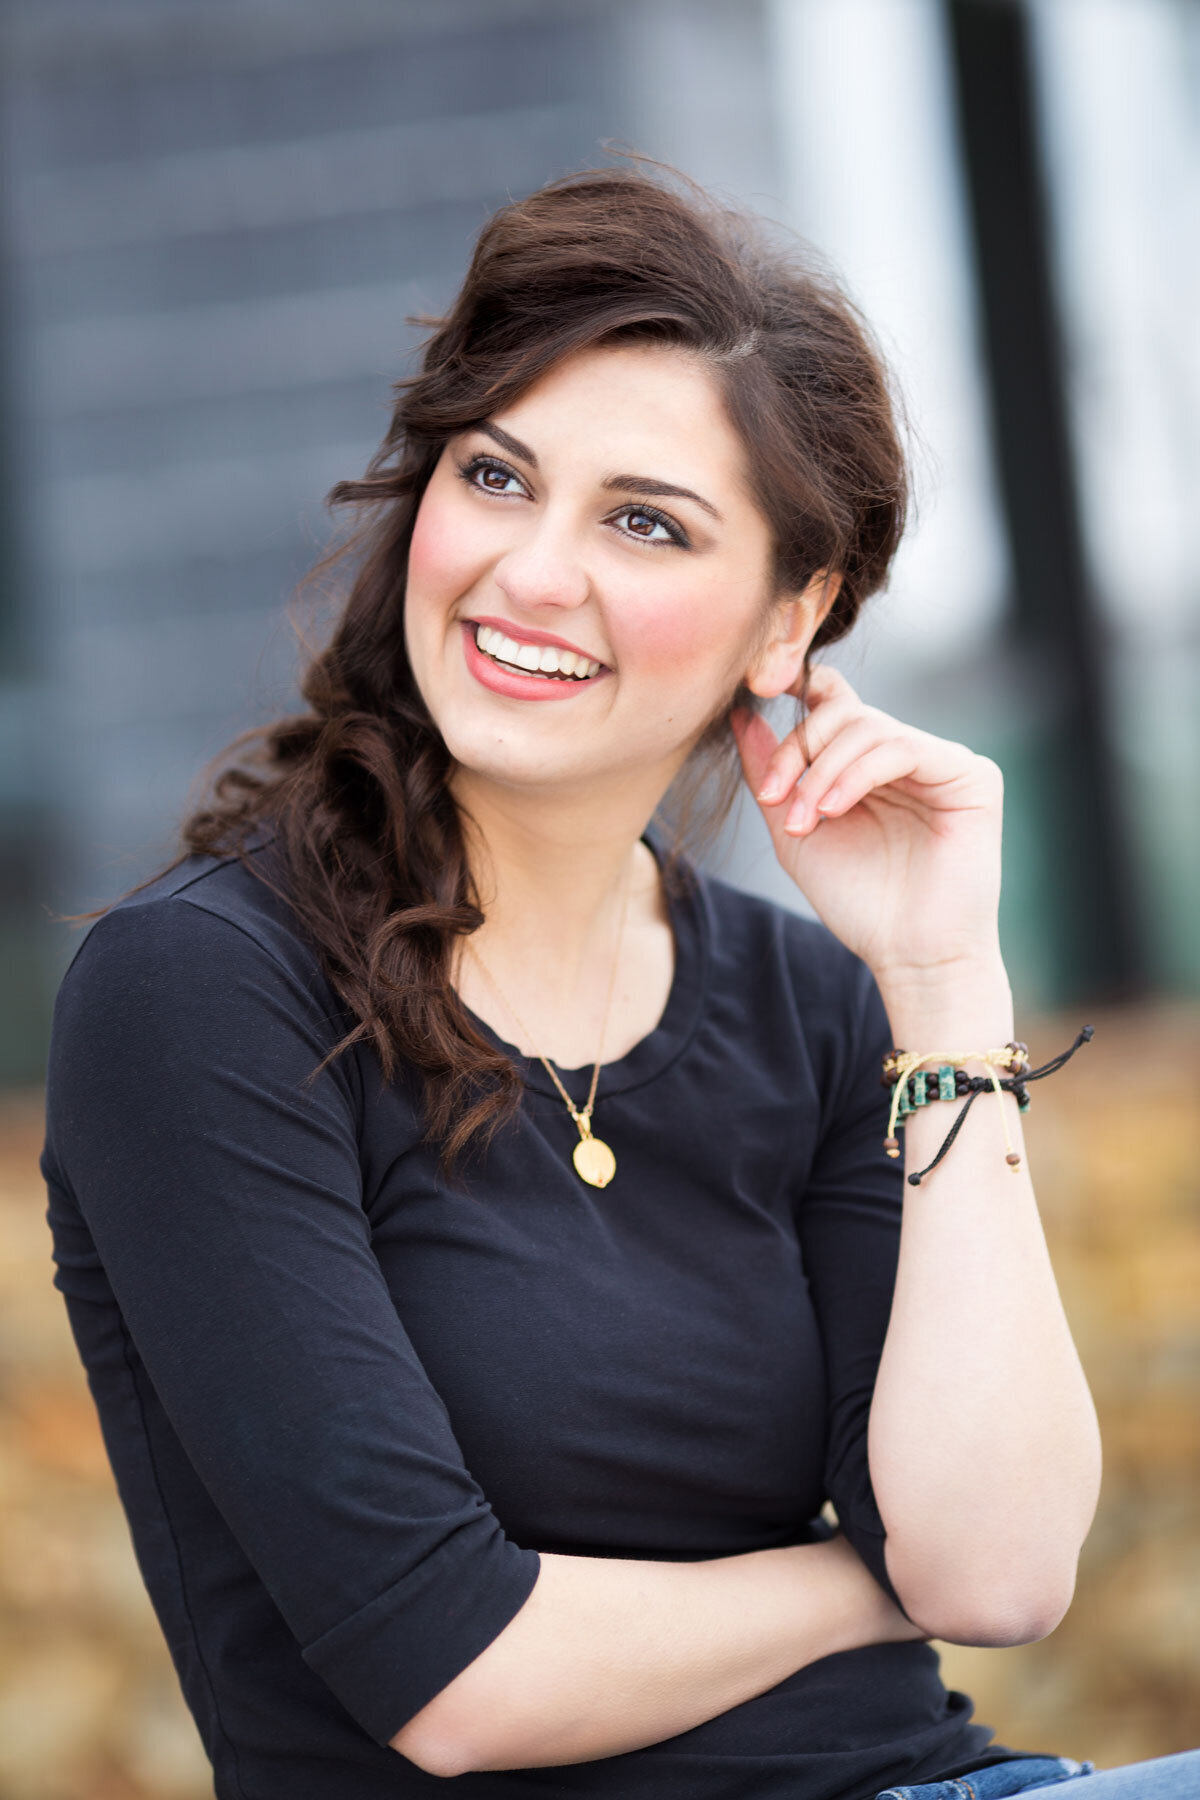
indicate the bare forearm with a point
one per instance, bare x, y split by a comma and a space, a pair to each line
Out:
978, 1368
609, 1655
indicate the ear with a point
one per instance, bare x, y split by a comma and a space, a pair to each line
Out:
794, 621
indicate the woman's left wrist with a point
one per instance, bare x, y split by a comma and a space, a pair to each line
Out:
961, 1000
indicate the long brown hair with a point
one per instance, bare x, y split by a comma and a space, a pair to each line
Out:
367, 838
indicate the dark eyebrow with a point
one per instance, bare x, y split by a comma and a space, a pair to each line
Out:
513, 445
645, 484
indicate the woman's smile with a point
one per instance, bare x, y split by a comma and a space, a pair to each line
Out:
511, 643
490, 656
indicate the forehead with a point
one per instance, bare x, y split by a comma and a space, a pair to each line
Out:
648, 409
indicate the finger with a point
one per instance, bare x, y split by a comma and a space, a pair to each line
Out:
856, 740
804, 743
824, 682
853, 765
938, 761
756, 744
782, 772
877, 767
832, 716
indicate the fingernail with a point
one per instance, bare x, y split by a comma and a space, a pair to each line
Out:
770, 788
830, 801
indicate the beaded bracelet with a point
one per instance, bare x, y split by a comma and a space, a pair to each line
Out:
913, 1087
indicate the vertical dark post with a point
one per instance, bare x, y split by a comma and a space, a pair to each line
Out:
1054, 620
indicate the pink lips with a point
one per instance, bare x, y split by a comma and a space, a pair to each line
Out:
520, 687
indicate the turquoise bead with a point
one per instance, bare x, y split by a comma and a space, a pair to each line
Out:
945, 1078
906, 1105
919, 1095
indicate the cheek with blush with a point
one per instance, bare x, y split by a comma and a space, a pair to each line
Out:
693, 640
445, 556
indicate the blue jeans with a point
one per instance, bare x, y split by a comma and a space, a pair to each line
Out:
1162, 1778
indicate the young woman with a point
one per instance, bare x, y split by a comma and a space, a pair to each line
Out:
475, 1219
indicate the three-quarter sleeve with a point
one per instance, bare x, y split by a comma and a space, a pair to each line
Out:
849, 1224
223, 1195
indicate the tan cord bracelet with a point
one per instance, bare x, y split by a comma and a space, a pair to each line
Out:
914, 1086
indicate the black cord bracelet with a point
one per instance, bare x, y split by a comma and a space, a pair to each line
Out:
917, 1092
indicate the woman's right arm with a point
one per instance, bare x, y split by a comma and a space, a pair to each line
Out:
609, 1655
224, 1199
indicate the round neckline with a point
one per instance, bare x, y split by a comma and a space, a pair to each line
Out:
677, 1022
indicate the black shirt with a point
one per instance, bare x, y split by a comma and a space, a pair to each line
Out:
346, 1405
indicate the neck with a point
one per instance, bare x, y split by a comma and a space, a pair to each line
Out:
551, 874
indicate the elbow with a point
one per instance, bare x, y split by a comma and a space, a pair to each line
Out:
447, 1757
995, 1616
1000, 1625
439, 1749
420, 1742
450, 1735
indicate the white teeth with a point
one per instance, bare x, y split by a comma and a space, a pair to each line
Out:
540, 659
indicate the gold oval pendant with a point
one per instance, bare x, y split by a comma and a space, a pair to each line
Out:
594, 1161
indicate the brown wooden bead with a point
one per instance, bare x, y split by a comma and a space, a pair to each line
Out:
892, 1146
1013, 1160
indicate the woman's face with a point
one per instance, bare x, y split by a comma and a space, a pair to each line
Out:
605, 513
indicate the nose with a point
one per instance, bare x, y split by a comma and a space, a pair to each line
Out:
543, 570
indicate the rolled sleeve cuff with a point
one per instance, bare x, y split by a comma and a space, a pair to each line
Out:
869, 1540
388, 1659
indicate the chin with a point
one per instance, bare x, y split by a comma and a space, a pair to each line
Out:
508, 761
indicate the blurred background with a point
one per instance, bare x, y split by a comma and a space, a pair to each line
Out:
215, 219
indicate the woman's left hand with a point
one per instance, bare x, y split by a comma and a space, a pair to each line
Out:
892, 834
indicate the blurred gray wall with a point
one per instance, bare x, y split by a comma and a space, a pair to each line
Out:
216, 219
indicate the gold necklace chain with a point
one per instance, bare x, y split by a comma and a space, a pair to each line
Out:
593, 1158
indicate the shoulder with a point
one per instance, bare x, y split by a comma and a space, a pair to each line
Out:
189, 1002
763, 940
793, 995
192, 938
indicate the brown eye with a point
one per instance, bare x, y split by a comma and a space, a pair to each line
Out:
490, 476
651, 526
